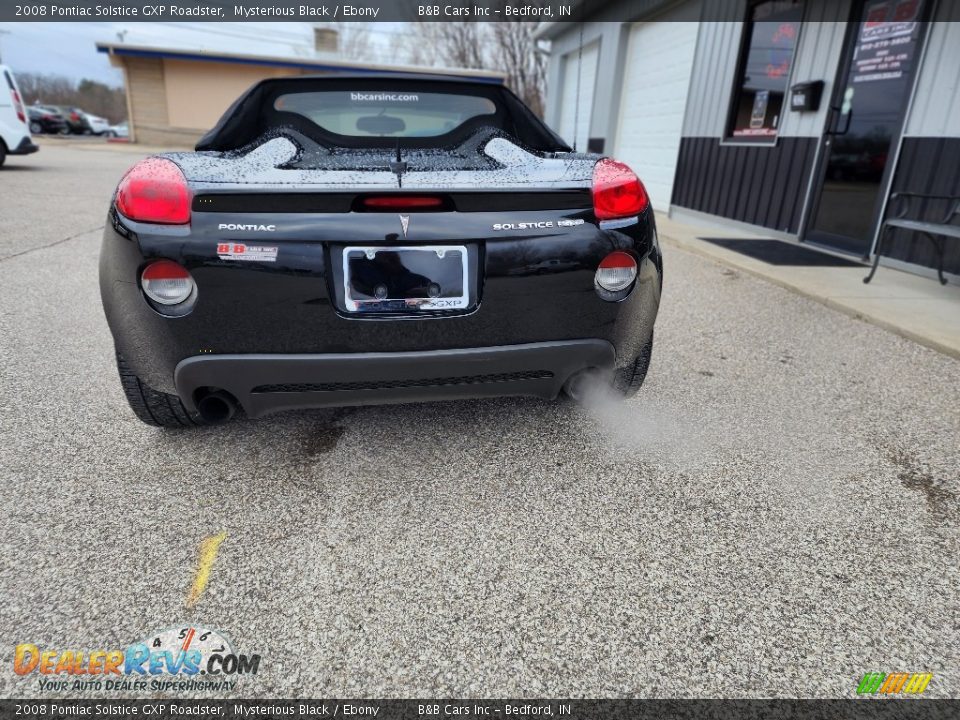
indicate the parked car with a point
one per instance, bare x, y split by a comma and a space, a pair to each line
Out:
120, 130
14, 130
97, 125
74, 117
353, 240
45, 120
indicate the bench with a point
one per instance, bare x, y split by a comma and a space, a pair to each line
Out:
935, 232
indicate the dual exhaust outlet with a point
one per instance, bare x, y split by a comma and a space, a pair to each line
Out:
216, 406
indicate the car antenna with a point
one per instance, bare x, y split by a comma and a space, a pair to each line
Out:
576, 110
398, 166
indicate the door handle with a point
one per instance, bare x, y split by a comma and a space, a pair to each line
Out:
835, 113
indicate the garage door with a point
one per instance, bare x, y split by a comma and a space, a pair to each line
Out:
576, 111
652, 103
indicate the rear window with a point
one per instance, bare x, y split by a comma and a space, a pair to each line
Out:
386, 113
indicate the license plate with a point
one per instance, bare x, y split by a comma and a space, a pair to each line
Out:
405, 279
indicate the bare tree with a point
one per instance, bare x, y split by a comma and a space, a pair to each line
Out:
515, 52
509, 47
450, 44
353, 41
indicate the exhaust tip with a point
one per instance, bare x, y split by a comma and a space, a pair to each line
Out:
217, 407
585, 383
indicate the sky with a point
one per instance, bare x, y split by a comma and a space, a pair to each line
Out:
69, 48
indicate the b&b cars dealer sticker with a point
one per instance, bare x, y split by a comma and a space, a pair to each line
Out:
250, 253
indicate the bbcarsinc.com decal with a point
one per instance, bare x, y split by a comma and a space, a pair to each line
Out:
187, 658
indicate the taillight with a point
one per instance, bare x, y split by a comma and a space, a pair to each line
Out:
617, 191
617, 271
18, 106
166, 282
402, 202
154, 191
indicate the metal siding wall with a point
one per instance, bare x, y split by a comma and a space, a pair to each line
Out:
936, 105
817, 58
930, 166
713, 68
757, 185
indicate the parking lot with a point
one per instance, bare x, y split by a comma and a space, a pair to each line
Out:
775, 514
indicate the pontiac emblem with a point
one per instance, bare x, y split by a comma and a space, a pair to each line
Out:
404, 224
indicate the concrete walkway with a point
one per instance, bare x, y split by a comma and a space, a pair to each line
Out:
915, 307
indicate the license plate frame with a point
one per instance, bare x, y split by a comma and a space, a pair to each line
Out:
354, 304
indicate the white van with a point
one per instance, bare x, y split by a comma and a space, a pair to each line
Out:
14, 131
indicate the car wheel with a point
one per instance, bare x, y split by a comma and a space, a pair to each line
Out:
109, 134
152, 407
627, 380
3, 153
65, 130
35, 128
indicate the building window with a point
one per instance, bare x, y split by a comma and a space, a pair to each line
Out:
766, 55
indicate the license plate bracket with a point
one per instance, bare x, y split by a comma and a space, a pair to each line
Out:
405, 279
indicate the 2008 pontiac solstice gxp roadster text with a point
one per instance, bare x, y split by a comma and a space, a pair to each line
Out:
375, 239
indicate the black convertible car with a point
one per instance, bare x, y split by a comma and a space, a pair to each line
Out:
375, 239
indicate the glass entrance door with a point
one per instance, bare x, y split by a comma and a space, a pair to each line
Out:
866, 119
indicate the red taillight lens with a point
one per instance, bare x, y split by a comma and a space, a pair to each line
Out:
617, 191
166, 282
154, 191
403, 202
18, 106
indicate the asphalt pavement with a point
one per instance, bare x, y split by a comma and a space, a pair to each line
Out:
775, 514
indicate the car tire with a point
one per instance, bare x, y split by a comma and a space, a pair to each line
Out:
35, 128
628, 380
3, 153
152, 407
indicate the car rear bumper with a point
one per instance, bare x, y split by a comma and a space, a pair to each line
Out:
25, 147
269, 383
291, 307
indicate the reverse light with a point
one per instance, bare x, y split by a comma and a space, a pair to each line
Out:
154, 191
167, 283
617, 191
617, 272
402, 202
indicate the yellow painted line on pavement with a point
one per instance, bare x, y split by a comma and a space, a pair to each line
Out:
205, 560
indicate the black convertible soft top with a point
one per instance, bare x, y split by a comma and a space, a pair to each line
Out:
254, 115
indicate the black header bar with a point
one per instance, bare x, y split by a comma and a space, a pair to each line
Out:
435, 709
130, 11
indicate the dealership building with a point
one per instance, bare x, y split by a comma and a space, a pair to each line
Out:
798, 118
